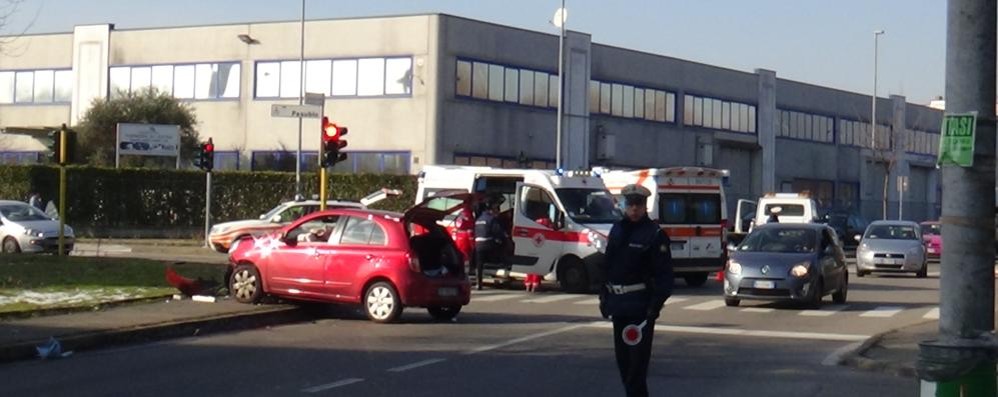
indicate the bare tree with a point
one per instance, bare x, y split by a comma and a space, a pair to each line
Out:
8, 13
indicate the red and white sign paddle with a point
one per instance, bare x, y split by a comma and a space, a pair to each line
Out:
632, 333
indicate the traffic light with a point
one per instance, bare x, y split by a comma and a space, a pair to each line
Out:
61, 144
206, 156
332, 143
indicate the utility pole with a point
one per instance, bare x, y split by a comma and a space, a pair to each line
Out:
961, 362
301, 98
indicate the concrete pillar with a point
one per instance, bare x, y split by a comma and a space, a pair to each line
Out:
766, 129
91, 54
576, 149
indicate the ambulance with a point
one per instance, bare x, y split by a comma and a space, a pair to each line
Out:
688, 202
558, 221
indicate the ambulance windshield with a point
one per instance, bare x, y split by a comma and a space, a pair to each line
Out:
589, 205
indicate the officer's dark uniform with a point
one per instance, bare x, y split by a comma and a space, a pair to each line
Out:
639, 278
490, 236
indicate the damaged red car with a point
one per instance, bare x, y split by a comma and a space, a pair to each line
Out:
384, 261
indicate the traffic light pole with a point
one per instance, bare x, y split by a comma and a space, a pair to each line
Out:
322, 188
62, 190
961, 362
207, 207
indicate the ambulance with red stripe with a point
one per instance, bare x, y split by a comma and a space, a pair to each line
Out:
558, 221
689, 204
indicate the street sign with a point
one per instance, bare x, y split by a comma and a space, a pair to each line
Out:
296, 111
315, 98
956, 142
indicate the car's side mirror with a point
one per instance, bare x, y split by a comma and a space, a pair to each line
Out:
263, 216
559, 221
858, 238
276, 218
732, 247
289, 239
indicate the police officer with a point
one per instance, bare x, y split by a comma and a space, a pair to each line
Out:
639, 276
490, 235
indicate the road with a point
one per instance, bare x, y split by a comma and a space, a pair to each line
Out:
513, 343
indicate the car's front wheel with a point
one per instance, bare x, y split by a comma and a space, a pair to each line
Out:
245, 284
444, 313
10, 246
732, 302
381, 303
924, 272
816, 295
839, 297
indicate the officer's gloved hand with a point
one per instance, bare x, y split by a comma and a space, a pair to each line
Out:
654, 310
602, 303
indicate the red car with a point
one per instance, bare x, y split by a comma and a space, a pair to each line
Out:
383, 260
932, 236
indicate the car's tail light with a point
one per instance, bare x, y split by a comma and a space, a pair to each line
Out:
414, 263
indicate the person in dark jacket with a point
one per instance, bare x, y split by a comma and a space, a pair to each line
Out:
774, 215
490, 235
639, 277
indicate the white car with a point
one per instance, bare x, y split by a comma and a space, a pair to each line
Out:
891, 246
24, 228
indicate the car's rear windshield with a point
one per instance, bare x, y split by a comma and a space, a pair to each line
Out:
786, 209
788, 240
24, 212
932, 229
689, 209
891, 232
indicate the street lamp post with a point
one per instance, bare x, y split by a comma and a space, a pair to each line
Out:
873, 112
301, 99
559, 20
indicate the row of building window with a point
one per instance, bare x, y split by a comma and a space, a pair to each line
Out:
36, 86
718, 114
335, 77
921, 142
187, 81
500, 83
629, 101
857, 133
483, 160
805, 126
357, 162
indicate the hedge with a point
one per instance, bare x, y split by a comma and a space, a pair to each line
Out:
107, 198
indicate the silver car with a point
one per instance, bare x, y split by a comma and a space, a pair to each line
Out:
891, 246
24, 228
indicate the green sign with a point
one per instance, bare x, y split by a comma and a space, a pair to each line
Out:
956, 143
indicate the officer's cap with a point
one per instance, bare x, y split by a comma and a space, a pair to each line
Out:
635, 193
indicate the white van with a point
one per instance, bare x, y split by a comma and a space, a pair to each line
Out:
689, 204
559, 221
794, 208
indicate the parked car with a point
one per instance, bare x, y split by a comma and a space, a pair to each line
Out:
383, 260
24, 228
932, 237
800, 262
847, 226
222, 235
892, 246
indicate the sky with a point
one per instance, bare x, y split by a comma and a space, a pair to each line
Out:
828, 43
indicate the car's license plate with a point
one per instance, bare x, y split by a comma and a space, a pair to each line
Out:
448, 291
764, 285
932, 250
678, 246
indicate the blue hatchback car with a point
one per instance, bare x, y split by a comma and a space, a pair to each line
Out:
785, 261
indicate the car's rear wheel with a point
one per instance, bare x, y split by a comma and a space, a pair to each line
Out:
245, 284
839, 297
10, 246
444, 313
696, 279
573, 276
924, 272
381, 303
732, 302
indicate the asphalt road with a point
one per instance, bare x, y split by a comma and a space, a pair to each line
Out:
512, 343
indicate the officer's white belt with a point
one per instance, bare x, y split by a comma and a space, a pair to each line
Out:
619, 289
481, 239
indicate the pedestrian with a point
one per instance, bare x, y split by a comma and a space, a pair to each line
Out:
490, 235
35, 200
638, 269
774, 215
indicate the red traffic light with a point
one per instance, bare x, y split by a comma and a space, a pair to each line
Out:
331, 131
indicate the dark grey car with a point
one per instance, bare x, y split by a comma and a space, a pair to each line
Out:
786, 261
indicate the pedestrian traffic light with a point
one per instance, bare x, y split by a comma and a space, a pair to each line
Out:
332, 143
206, 156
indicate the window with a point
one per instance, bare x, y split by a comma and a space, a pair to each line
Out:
497, 81
345, 77
526, 87
316, 230
480, 81
604, 99
44, 79
463, 78
541, 92
503, 162
672, 209
192, 81
6, 87
553, 90
63, 86
24, 89
398, 76
141, 79
639, 103
539, 207
204, 81
512, 88
318, 76
162, 78
371, 77
290, 79
508, 84
362, 232
268, 79
593, 96
805, 126
281, 160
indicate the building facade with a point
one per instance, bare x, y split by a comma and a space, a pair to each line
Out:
441, 89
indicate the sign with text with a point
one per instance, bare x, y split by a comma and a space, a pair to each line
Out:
296, 111
956, 142
149, 139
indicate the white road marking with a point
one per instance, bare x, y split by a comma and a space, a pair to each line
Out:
526, 338
593, 301
549, 299
673, 301
749, 332
344, 382
757, 310
708, 305
883, 311
417, 365
932, 314
496, 297
825, 312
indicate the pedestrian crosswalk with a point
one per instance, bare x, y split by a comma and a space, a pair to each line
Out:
710, 304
